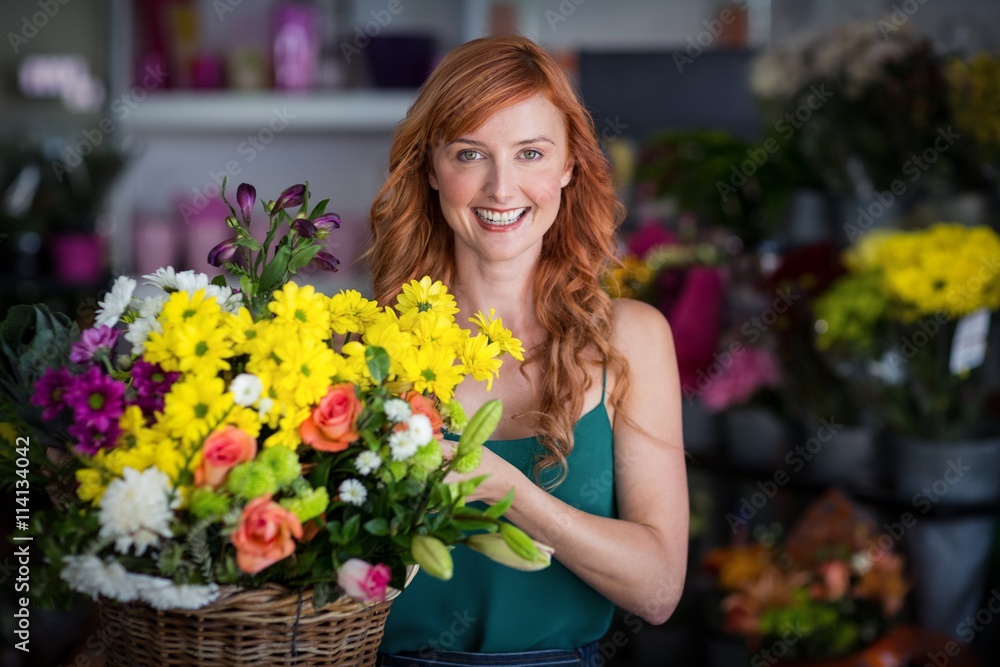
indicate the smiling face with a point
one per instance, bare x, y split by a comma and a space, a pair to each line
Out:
500, 185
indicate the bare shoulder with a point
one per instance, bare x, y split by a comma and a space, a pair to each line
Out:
640, 328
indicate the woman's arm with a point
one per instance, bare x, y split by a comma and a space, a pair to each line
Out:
639, 560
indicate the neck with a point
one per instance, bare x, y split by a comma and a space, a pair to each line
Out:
506, 289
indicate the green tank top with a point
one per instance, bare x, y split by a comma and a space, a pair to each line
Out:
489, 608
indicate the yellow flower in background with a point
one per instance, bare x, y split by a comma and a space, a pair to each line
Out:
305, 370
302, 309
182, 306
425, 295
287, 433
433, 328
492, 327
351, 313
202, 347
242, 331
974, 92
385, 332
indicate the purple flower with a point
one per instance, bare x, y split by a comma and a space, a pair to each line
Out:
304, 228
50, 390
327, 221
246, 197
291, 197
89, 439
222, 253
325, 261
98, 400
151, 384
96, 341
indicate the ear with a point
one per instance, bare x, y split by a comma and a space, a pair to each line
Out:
567, 174
432, 179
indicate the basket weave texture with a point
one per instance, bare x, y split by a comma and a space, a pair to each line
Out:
272, 626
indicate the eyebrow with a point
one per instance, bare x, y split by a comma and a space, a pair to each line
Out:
525, 142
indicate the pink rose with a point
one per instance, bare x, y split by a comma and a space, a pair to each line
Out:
223, 449
422, 405
363, 581
265, 535
330, 427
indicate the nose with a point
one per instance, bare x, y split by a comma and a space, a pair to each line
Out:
499, 184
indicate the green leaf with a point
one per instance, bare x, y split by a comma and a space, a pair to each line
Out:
378, 364
220, 281
302, 257
378, 526
322, 593
474, 524
351, 528
496, 510
319, 209
273, 274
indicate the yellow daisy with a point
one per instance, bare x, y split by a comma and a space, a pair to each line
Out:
194, 407
432, 369
492, 327
301, 308
424, 296
351, 313
479, 359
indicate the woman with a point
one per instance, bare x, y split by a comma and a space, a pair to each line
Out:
497, 187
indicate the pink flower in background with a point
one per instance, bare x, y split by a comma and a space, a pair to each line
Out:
363, 581
94, 342
751, 369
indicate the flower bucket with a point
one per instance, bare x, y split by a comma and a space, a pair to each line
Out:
272, 625
77, 257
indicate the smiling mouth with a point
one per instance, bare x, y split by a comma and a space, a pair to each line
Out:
500, 218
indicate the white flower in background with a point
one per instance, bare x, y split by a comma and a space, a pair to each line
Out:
92, 576
403, 445
396, 409
136, 509
146, 322
115, 302
164, 278
367, 462
352, 491
163, 593
420, 429
229, 300
191, 281
246, 389
264, 408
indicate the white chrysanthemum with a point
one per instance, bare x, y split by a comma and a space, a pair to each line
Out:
397, 410
136, 509
92, 576
246, 389
420, 429
402, 445
191, 281
165, 278
352, 491
367, 462
229, 300
146, 322
163, 593
264, 407
115, 302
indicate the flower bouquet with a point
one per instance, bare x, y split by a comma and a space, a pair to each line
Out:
256, 449
832, 588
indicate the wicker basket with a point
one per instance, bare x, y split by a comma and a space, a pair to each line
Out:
272, 626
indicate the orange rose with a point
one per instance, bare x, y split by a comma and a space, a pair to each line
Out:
223, 449
330, 427
264, 535
421, 405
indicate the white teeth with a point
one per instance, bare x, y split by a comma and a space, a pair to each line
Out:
497, 218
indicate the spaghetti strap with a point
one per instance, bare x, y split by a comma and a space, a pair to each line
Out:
604, 383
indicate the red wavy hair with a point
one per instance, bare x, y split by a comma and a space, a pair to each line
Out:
410, 237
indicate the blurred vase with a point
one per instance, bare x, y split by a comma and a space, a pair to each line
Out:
296, 46
155, 242
949, 554
77, 257
845, 454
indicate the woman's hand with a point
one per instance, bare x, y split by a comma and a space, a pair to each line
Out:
502, 475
